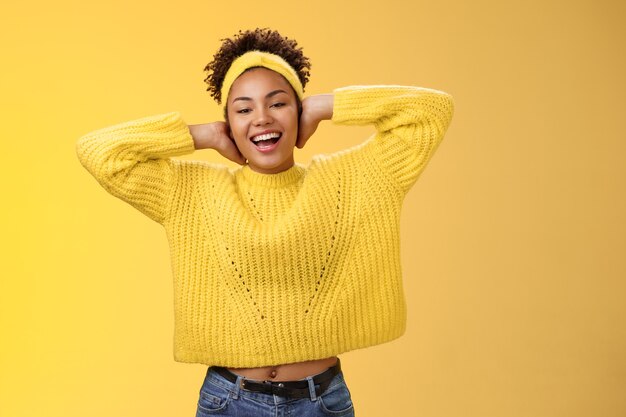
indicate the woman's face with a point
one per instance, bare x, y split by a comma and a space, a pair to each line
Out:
263, 119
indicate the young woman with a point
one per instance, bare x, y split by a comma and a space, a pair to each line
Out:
278, 267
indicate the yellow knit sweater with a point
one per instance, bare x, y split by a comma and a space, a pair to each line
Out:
279, 268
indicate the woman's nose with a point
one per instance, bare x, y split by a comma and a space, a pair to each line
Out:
263, 117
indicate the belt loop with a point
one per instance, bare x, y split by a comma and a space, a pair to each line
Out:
237, 387
311, 388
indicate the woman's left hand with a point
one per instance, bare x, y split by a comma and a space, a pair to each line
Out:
314, 110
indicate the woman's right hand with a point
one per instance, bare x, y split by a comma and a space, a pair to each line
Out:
216, 136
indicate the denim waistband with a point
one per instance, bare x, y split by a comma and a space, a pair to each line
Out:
236, 390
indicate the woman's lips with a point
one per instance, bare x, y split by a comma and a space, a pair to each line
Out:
269, 141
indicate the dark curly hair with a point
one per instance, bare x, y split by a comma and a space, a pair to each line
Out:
264, 40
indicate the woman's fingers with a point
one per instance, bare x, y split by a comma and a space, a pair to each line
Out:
226, 144
230, 151
306, 129
314, 109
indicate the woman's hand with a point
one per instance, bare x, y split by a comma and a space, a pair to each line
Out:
216, 136
314, 110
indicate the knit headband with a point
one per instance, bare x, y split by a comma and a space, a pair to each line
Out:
261, 59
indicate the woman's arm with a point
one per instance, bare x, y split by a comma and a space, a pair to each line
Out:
132, 160
410, 123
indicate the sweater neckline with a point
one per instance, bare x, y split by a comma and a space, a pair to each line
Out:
281, 179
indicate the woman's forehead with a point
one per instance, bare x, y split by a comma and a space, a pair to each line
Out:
257, 83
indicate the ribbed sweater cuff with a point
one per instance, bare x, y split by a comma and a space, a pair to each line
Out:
349, 105
382, 104
153, 136
163, 135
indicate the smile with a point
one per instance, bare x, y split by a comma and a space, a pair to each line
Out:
266, 142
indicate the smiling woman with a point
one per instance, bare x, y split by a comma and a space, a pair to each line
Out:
263, 119
270, 328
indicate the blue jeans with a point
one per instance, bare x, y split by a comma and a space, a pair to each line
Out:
220, 397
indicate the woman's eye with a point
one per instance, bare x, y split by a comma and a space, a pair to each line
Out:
278, 104
243, 111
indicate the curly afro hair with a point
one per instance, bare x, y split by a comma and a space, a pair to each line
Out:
264, 40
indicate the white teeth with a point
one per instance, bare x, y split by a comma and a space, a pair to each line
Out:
266, 136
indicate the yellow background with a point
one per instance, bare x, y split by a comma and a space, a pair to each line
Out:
513, 238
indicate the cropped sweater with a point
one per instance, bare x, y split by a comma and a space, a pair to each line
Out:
279, 268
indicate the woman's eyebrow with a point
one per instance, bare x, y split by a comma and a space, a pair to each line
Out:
268, 95
273, 93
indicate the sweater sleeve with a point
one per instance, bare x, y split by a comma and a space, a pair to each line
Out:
410, 123
132, 160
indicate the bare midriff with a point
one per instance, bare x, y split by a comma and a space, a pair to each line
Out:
286, 372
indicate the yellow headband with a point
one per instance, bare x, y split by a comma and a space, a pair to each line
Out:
261, 59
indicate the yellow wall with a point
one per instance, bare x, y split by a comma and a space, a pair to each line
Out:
513, 238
